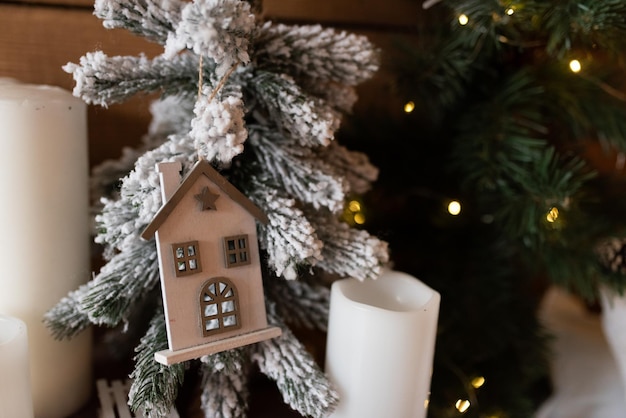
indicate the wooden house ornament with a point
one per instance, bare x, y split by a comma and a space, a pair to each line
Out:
209, 264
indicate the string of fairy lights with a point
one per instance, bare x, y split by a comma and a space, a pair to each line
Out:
354, 214
454, 206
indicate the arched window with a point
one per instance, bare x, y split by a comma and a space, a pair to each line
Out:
219, 306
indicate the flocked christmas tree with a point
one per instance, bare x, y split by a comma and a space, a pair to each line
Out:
516, 110
261, 102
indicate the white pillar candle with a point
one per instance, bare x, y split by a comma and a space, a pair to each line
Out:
15, 393
44, 244
380, 346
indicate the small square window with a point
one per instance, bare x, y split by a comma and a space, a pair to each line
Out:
187, 258
236, 250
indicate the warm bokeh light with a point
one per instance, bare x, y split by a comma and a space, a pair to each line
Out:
552, 215
575, 66
454, 207
409, 107
462, 405
354, 206
509, 11
463, 20
353, 213
478, 382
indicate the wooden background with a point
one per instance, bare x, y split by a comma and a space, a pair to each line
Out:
39, 37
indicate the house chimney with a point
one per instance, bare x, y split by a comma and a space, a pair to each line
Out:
169, 175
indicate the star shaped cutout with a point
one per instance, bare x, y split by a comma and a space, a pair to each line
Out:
207, 199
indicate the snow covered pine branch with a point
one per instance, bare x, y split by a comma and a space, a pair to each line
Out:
263, 113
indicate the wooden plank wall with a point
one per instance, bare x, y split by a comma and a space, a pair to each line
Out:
38, 38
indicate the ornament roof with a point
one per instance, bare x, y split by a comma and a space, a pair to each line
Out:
202, 167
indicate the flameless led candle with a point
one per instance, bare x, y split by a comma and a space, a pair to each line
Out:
380, 346
44, 244
15, 393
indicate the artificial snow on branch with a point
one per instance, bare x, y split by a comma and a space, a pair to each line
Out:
224, 378
261, 103
285, 360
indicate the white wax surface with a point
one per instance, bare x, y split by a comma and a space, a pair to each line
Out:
44, 244
380, 346
15, 391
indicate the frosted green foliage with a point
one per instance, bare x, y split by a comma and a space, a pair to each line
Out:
353, 166
305, 119
288, 238
117, 227
141, 186
296, 170
150, 19
218, 29
224, 379
262, 104
339, 97
104, 80
305, 51
127, 276
171, 115
66, 319
341, 245
304, 304
300, 381
155, 386
105, 178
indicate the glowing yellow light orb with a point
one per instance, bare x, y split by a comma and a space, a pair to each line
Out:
354, 206
359, 218
575, 66
409, 107
509, 11
463, 20
552, 215
478, 382
462, 405
454, 207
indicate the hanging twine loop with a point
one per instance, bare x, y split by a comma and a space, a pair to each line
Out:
221, 83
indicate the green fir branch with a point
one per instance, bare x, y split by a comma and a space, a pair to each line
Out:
224, 378
66, 320
105, 80
298, 302
114, 291
154, 386
152, 20
286, 361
